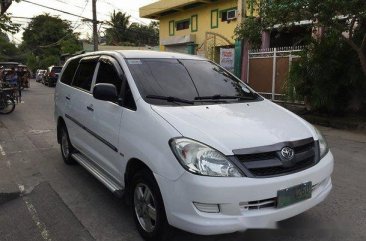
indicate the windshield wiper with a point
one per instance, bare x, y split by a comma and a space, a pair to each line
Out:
170, 99
225, 97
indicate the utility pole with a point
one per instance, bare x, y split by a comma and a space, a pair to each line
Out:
95, 26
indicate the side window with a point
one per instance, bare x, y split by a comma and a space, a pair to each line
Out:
128, 101
69, 71
108, 74
84, 75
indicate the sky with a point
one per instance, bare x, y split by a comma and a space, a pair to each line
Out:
78, 7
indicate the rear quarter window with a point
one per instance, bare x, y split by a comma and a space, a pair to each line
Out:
69, 71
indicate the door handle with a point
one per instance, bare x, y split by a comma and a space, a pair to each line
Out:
90, 107
68, 98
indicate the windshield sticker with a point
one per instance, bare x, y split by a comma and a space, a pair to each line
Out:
134, 61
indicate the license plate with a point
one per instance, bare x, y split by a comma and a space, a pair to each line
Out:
295, 194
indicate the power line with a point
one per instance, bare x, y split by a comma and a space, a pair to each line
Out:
60, 1
58, 10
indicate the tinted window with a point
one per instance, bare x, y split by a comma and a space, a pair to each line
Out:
185, 79
69, 71
162, 77
84, 75
182, 25
128, 100
108, 74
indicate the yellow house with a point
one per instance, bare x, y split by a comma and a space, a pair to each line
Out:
199, 27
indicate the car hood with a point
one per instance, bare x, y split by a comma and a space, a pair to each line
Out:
227, 127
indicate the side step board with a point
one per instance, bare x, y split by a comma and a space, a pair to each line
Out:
114, 187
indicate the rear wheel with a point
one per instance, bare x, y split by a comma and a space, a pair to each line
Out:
7, 105
148, 207
66, 148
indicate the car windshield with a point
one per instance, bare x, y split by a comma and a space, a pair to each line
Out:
182, 81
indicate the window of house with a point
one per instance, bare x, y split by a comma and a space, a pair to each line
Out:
215, 18
108, 74
171, 28
183, 24
228, 14
84, 75
194, 23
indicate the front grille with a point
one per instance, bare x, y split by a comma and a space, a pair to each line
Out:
271, 171
269, 163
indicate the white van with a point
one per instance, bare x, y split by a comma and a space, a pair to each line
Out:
189, 144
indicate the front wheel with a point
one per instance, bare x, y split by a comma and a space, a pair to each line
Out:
7, 105
148, 207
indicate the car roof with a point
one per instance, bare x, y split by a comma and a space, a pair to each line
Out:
143, 54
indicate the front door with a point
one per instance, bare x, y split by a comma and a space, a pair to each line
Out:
106, 121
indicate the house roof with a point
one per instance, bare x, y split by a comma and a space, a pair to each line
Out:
164, 7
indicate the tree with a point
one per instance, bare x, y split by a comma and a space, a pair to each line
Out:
345, 18
46, 38
142, 35
117, 32
8, 50
122, 32
6, 25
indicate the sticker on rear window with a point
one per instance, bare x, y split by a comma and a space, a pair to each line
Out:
134, 61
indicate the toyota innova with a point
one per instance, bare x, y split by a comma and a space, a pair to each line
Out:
188, 143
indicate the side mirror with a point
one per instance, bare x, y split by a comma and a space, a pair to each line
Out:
106, 92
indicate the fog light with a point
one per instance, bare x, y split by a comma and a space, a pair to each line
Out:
207, 207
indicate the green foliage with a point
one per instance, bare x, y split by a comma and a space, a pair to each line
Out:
118, 28
338, 16
328, 75
142, 35
6, 25
8, 50
122, 32
250, 30
46, 38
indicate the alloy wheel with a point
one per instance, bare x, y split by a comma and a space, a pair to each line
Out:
145, 207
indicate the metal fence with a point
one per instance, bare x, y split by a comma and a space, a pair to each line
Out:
268, 70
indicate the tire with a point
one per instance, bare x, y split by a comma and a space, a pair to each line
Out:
66, 147
7, 105
146, 197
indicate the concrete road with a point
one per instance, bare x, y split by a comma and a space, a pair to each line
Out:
43, 199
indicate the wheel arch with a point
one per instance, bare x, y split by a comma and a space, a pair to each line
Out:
60, 124
133, 166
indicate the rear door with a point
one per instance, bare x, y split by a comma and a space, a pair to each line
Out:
106, 120
63, 94
81, 109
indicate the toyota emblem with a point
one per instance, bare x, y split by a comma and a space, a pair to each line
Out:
288, 153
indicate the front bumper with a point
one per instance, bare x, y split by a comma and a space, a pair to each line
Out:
230, 193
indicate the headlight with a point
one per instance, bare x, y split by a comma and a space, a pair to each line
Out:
323, 145
201, 159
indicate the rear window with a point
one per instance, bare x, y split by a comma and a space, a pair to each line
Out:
84, 75
69, 71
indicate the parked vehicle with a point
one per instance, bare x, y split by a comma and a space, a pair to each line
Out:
50, 78
7, 103
39, 74
9, 65
188, 143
